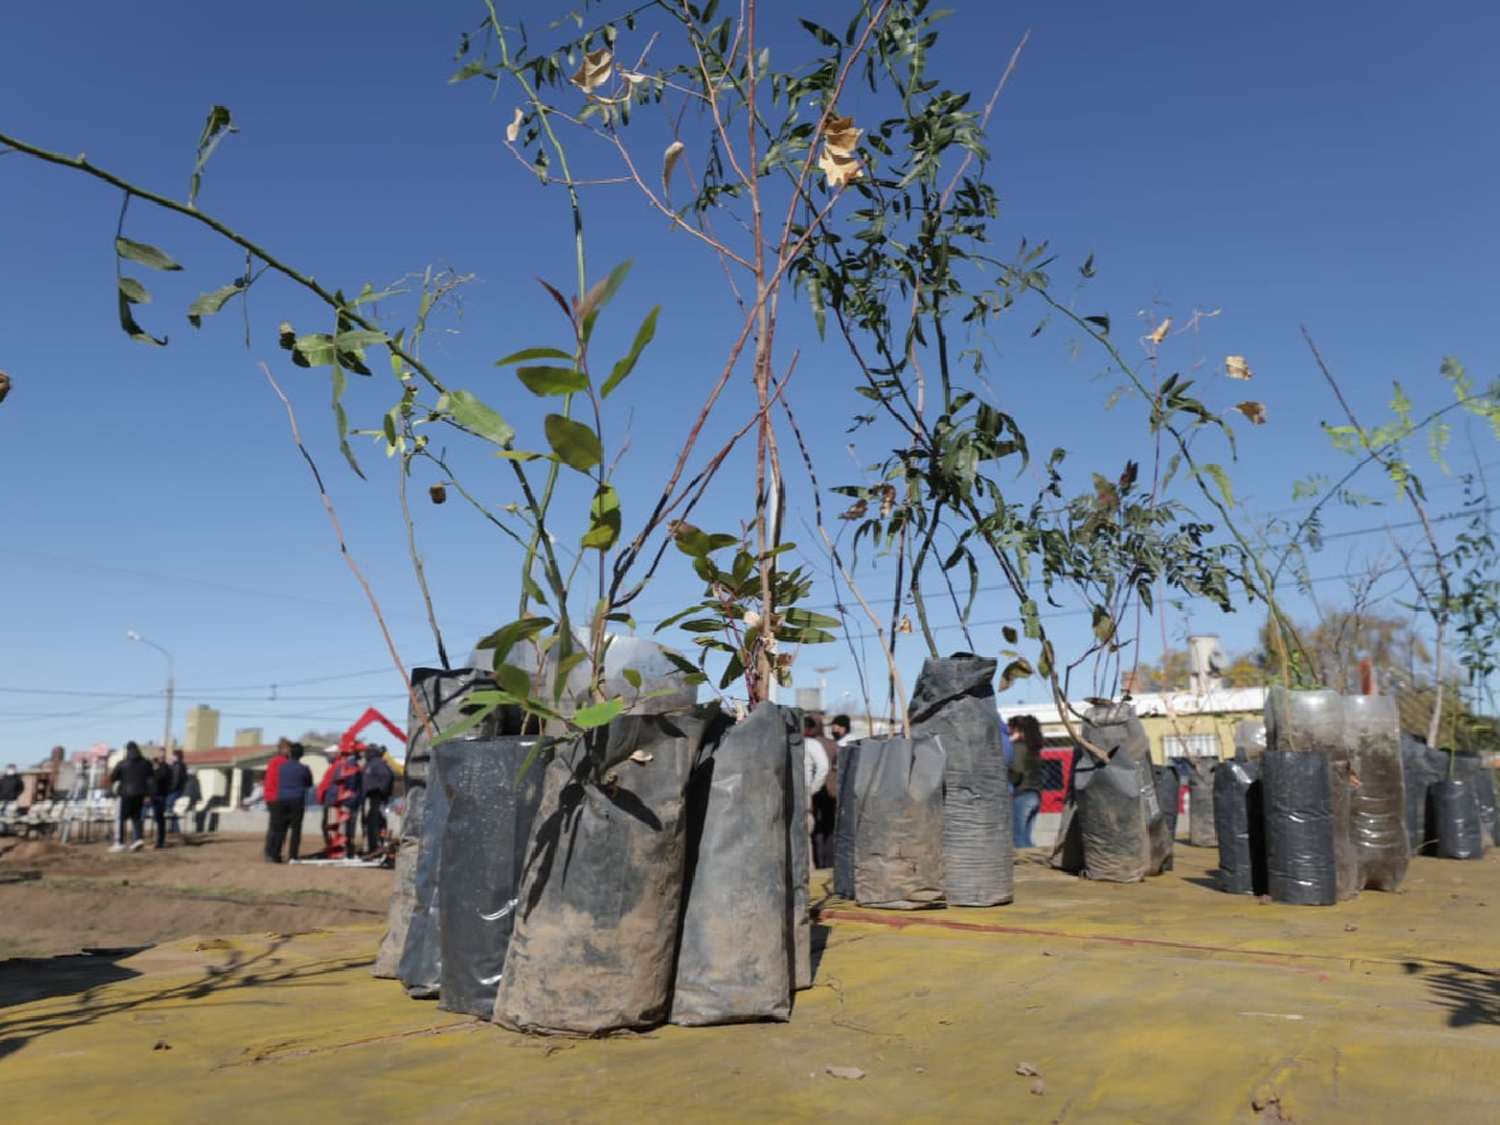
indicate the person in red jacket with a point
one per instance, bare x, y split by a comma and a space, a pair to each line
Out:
271, 792
340, 793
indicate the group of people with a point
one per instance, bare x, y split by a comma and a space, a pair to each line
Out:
821, 753
143, 783
355, 788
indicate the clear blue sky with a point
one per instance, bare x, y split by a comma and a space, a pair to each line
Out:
1287, 164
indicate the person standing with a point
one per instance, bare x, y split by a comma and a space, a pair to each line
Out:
293, 781
161, 785
131, 781
11, 785
275, 831
177, 783
339, 793
822, 755
1025, 776
379, 780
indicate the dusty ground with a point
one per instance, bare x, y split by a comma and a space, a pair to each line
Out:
66, 898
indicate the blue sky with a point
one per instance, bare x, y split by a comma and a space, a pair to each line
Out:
1286, 164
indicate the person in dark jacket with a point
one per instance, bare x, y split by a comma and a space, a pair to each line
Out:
131, 780
270, 790
161, 785
176, 789
11, 785
379, 780
1025, 776
340, 794
292, 784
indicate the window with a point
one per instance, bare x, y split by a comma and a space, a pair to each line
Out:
1191, 746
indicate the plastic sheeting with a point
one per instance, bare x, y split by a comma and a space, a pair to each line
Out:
1346, 871
954, 702
444, 696
1113, 810
595, 934
1378, 809
846, 821
1419, 770
735, 957
1168, 793
492, 796
1298, 795
799, 848
1239, 819
421, 968
898, 842
1201, 830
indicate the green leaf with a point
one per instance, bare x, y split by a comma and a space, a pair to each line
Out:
208, 304
1221, 478
604, 519
146, 255
643, 336
513, 680
597, 714
479, 419
505, 638
133, 291
134, 330
357, 339
216, 127
632, 677
545, 381
533, 353
600, 295
575, 444
1100, 322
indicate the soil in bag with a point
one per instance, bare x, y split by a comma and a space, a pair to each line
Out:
1298, 795
735, 956
492, 794
1379, 821
1239, 820
954, 702
444, 696
1455, 811
595, 937
898, 845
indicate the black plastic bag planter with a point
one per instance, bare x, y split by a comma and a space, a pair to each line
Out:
1168, 793
737, 952
492, 796
1455, 811
1418, 772
595, 938
1114, 803
445, 697
1202, 830
1158, 830
421, 966
954, 702
898, 844
1298, 793
1239, 819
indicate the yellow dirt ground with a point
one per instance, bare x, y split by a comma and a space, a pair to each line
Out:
1159, 1002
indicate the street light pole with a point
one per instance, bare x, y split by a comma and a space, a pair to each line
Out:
166, 738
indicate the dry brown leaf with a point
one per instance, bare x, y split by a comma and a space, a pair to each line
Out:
1236, 367
838, 170
1038, 1087
513, 130
855, 510
887, 499
1161, 330
4, 385
1028, 1070
595, 70
841, 136
668, 162
1255, 411
905, 626
642, 756
845, 1072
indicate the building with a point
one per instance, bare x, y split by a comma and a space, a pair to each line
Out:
202, 728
